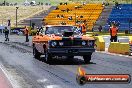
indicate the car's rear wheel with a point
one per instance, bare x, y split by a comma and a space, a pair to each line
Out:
70, 57
87, 58
36, 54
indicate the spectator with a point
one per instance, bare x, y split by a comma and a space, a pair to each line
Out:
6, 34
65, 3
77, 21
63, 23
81, 16
33, 25
40, 30
4, 3
57, 8
61, 3
113, 33
26, 31
107, 3
39, 3
77, 16
62, 16
67, 10
84, 3
63, 10
83, 28
103, 3
116, 5
43, 22
42, 3
46, 4
58, 16
84, 21
15, 4
100, 28
70, 18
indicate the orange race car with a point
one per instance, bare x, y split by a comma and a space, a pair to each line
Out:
62, 40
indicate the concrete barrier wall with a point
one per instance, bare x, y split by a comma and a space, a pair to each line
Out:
100, 43
130, 38
124, 48
112, 47
119, 48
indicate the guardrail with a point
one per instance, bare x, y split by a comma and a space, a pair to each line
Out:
119, 48
122, 46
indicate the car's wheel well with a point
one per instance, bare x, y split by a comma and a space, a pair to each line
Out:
44, 47
33, 45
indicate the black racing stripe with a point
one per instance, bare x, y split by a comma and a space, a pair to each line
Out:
66, 38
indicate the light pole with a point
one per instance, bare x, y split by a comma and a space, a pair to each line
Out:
16, 15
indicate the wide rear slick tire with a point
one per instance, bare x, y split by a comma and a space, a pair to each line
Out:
87, 58
70, 57
36, 54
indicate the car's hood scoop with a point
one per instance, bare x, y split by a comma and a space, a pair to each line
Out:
67, 34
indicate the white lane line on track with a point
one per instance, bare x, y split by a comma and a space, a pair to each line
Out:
47, 86
114, 54
42, 80
53, 86
8, 76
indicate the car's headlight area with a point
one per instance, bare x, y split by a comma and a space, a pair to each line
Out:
78, 43
56, 43
84, 43
61, 43
91, 43
53, 43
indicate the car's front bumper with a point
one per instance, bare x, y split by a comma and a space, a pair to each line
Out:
70, 51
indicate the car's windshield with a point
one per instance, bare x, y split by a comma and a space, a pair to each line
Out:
60, 29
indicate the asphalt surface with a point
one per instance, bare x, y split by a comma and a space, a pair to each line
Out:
4, 83
29, 72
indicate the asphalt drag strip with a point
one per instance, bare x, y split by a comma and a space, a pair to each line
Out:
60, 73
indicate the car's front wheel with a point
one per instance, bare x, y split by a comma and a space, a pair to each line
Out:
87, 58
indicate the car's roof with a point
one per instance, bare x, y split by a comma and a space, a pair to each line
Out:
58, 25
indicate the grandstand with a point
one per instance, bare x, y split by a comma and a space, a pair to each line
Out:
122, 15
79, 13
93, 12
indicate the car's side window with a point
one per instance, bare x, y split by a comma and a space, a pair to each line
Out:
56, 31
49, 30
